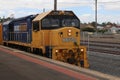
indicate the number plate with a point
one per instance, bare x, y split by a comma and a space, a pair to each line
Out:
69, 40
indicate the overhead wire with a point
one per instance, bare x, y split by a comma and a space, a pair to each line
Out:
89, 2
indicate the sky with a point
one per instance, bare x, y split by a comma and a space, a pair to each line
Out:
108, 10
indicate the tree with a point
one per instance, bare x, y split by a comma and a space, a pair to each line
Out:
103, 24
5, 19
0, 19
102, 31
109, 23
88, 29
94, 24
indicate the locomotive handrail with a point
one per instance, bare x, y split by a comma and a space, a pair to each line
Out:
43, 38
17, 36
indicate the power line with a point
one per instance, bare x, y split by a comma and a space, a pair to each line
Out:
110, 2
107, 1
88, 2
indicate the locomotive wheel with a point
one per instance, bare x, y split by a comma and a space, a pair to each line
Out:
37, 51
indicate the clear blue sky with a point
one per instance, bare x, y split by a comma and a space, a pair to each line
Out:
108, 10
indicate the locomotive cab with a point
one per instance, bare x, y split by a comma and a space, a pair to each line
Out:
56, 34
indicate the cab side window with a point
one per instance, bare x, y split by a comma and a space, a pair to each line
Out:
45, 23
36, 26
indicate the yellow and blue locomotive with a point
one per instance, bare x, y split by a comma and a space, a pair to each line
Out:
53, 34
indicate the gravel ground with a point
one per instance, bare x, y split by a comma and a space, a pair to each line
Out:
105, 63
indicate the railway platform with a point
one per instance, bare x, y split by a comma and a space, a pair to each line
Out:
20, 65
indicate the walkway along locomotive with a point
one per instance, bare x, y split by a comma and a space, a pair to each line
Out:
53, 34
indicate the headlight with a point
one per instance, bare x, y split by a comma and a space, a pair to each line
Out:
69, 34
56, 51
81, 50
69, 30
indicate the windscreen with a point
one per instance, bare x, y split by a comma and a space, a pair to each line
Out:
49, 22
58, 21
70, 22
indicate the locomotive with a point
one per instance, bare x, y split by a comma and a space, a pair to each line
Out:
53, 34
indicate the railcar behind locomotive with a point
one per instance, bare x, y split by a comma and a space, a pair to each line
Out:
54, 34
0, 33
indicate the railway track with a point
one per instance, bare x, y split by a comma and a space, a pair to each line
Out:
105, 63
103, 47
105, 51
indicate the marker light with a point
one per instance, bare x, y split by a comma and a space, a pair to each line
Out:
69, 30
69, 34
82, 50
56, 51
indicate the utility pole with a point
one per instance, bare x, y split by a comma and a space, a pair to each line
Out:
43, 9
55, 5
96, 14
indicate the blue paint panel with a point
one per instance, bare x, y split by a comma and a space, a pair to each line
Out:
6, 30
12, 30
5, 33
23, 36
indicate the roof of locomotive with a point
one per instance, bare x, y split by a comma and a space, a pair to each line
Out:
18, 19
26, 17
41, 16
7, 22
44, 14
